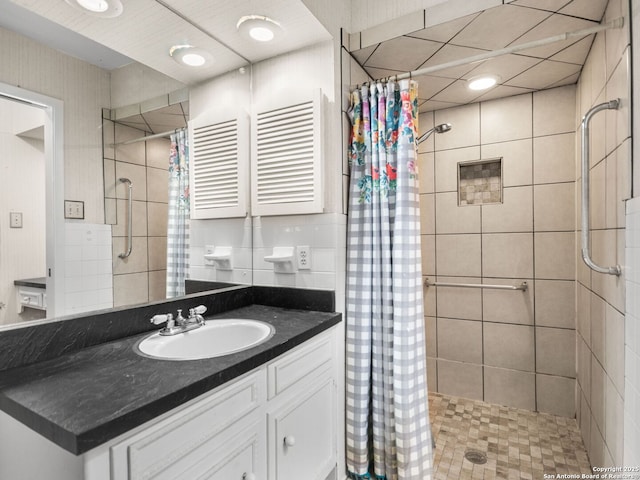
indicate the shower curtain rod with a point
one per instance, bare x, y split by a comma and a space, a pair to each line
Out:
616, 23
149, 137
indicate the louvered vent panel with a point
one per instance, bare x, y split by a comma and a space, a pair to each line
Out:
286, 157
216, 176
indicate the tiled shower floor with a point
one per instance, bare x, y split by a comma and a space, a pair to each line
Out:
519, 444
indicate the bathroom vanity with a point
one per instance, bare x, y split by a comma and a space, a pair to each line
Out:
109, 413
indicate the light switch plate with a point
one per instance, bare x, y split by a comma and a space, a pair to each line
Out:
73, 209
15, 219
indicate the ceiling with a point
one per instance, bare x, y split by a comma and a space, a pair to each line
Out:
160, 121
516, 22
147, 29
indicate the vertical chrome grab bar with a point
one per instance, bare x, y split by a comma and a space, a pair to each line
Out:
586, 242
129, 219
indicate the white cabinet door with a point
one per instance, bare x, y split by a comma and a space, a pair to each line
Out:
302, 435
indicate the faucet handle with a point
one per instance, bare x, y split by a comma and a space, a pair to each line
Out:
199, 310
158, 319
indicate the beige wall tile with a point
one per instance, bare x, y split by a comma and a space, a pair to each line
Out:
506, 119
432, 374
556, 395
597, 393
607, 249
109, 167
614, 423
597, 196
458, 255
426, 122
517, 160
507, 255
157, 285
157, 219
158, 151
554, 207
446, 166
157, 253
157, 185
509, 346
132, 153
456, 302
583, 315
509, 387
431, 339
582, 271
428, 244
614, 346
554, 158
597, 315
466, 127
619, 121
108, 138
554, 111
597, 132
583, 367
596, 444
427, 171
452, 218
110, 211
427, 214
429, 295
514, 214
555, 351
138, 176
555, 255
460, 340
134, 263
507, 306
615, 41
585, 422
556, 303
130, 289
460, 379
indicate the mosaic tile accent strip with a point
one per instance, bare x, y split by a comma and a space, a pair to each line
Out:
480, 183
519, 444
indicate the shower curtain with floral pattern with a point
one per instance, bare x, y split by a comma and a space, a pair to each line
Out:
387, 412
178, 221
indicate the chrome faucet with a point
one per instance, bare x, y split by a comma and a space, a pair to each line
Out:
180, 324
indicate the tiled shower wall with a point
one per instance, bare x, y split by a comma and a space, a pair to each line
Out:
507, 347
141, 277
601, 298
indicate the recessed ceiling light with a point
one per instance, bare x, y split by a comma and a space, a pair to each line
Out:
190, 55
258, 27
99, 8
483, 82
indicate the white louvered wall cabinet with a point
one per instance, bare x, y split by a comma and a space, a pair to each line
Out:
286, 159
219, 169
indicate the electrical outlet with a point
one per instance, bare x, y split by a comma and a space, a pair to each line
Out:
15, 220
304, 257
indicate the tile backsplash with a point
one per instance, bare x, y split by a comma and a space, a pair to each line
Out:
87, 267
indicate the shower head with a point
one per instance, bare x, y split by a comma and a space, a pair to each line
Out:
442, 128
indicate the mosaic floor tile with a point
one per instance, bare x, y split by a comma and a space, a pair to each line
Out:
519, 444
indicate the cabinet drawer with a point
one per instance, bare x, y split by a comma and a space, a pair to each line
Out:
315, 356
184, 439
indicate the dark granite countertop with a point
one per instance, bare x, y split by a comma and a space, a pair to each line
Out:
40, 282
84, 398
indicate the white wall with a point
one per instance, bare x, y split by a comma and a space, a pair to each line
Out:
84, 89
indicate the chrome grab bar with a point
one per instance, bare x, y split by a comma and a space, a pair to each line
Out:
523, 286
584, 141
129, 220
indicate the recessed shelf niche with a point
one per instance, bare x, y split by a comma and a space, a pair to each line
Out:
480, 182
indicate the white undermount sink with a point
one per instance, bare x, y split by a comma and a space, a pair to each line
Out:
214, 339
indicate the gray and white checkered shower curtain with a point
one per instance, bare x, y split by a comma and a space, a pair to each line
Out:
178, 220
388, 433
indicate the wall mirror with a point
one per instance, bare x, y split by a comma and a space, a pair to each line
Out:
37, 26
